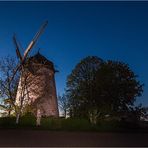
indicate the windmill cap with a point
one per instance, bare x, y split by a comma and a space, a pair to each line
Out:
40, 59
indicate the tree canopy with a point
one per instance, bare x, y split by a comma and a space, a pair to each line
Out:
97, 88
117, 86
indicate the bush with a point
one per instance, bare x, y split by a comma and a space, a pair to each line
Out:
65, 124
50, 123
76, 124
27, 120
107, 125
7, 122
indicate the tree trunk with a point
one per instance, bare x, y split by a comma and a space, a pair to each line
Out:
93, 115
65, 114
17, 118
9, 112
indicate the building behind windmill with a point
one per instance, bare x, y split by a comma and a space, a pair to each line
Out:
40, 88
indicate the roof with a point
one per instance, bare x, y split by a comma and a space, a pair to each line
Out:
40, 59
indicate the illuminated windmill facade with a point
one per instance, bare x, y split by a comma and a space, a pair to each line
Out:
40, 88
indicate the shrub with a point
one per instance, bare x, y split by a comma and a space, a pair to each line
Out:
27, 120
65, 124
7, 122
75, 124
46, 122
107, 125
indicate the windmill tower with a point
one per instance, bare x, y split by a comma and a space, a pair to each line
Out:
37, 82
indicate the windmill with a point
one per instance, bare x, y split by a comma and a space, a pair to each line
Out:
35, 72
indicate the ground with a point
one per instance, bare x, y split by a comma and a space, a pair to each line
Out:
29, 138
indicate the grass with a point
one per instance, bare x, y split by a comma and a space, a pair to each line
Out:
65, 124
70, 124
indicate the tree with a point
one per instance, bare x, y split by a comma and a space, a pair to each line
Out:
137, 113
63, 104
117, 86
97, 88
8, 88
9, 81
80, 86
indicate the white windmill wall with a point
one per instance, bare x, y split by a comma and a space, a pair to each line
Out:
40, 90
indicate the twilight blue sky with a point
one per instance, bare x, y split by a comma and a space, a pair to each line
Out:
109, 30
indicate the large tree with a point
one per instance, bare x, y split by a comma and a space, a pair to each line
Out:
96, 88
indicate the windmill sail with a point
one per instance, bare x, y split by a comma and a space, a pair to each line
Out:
35, 39
17, 48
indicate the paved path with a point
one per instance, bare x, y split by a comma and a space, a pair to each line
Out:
42, 138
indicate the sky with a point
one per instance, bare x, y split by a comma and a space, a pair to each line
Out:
109, 30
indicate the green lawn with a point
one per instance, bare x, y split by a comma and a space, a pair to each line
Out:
70, 124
